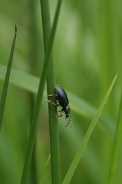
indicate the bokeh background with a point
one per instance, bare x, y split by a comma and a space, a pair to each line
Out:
87, 55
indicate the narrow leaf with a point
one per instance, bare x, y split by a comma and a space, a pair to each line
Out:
84, 143
30, 83
116, 147
36, 114
53, 124
6, 82
41, 181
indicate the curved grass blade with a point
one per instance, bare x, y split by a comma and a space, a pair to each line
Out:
116, 147
6, 82
44, 169
84, 143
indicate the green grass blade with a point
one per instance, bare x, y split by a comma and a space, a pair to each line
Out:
37, 108
30, 83
83, 144
44, 170
21, 79
116, 147
53, 124
6, 82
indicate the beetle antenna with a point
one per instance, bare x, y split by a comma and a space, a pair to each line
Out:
70, 121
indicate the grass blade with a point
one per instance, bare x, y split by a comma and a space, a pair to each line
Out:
44, 169
83, 144
116, 147
30, 83
53, 124
6, 82
37, 108
21, 79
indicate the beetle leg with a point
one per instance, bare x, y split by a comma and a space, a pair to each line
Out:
60, 111
56, 104
59, 115
53, 95
49, 101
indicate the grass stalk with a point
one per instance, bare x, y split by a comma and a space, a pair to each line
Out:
37, 108
6, 82
109, 45
53, 124
84, 143
116, 147
44, 170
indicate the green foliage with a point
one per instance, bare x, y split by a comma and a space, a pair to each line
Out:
6, 81
86, 56
116, 147
86, 138
36, 113
49, 34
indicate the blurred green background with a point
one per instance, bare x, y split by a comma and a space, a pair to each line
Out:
87, 55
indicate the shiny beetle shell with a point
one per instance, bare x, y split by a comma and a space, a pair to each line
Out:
62, 98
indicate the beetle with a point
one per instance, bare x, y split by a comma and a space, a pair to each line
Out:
62, 100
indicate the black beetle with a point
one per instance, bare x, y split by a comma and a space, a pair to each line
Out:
62, 100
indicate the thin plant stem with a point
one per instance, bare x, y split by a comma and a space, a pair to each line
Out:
116, 147
36, 114
7, 76
53, 124
86, 138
